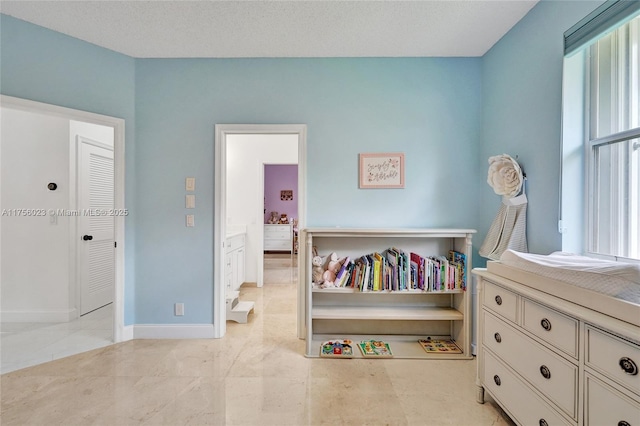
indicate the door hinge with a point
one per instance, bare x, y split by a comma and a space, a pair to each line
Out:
115, 244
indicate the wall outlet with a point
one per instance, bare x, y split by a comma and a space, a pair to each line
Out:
179, 309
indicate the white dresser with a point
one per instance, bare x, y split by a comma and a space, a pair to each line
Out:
278, 237
550, 360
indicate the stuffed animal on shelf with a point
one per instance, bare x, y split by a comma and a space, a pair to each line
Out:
317, 270
274, 218
283, 219
329, 275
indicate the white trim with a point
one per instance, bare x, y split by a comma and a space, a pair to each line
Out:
260, 229
84, 139
173, 331
118, 124
127, 333
219, 208
62, 315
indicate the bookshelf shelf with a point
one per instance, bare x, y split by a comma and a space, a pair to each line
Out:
397, 317
388, 313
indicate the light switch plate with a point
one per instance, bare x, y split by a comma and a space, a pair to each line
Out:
190, 201
190, 184
191, 221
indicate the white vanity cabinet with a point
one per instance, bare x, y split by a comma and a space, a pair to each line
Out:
278, 237
234, 262
548, 360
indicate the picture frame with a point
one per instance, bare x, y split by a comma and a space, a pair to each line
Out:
381, 170
286, 195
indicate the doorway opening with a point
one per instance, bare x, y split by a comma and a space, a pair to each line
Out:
52, 152
237, 145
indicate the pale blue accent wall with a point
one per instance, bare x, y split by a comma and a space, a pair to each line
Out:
46, 66
448, 115
428, 108
522, 110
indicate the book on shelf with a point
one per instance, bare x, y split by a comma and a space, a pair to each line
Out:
460, 260
375, 349
341, 275
439, 346
339, 348
396, 270
378, 271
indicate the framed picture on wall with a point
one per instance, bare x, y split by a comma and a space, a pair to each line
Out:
382, 170
286, 195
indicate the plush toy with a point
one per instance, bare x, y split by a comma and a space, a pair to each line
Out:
274, 218
329, 275
317, 270
283, 219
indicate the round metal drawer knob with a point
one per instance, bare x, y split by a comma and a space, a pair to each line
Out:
543, 422
628, 366
544, 370
497, 337
546, 324
499, 300
496, 379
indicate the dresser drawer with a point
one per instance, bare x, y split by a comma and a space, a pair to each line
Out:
277, 245
551, 326
277, 231
552, 375
606, 406
616, 358
523, 404
500, 300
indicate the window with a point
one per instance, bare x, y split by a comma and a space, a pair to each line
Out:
612, 148
600, 189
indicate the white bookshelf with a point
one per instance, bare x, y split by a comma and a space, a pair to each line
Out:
398, 317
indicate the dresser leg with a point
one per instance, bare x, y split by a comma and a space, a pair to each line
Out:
480, 395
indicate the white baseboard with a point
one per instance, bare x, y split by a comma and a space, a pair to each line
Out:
173, 331
61, 315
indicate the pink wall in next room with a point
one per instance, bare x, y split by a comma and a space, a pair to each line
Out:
278, 177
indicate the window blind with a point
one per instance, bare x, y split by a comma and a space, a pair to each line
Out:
607, 16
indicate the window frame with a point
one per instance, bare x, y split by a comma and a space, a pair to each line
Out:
624, 85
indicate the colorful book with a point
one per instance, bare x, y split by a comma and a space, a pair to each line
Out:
439, 346
377, 272
460, 259
375, 349
337, 349
340, 276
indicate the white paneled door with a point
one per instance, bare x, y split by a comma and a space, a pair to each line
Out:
96, 248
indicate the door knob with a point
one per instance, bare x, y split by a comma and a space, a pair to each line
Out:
87, 237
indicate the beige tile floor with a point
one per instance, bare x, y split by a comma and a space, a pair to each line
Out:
255, 375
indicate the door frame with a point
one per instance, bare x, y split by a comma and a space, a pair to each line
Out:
118, 124
220, 208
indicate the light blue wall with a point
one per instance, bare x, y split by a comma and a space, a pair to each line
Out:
448, 115
46, 66
428, 108
522, 110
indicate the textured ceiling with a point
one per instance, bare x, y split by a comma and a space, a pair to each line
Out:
233, 29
